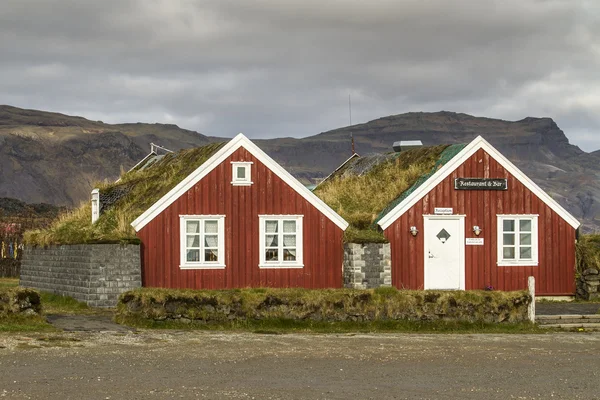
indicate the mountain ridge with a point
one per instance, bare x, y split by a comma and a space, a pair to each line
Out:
56, 158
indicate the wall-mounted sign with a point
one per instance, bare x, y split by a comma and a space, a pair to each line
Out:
443, 211
474, 241
480, 184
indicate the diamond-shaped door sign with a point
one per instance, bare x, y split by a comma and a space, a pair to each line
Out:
443, 235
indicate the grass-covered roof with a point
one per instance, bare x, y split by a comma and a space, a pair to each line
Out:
133, 194
368, 187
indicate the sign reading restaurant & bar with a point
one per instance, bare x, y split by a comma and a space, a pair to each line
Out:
480, 184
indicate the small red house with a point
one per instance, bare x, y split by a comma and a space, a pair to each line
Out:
477, 222
240, 220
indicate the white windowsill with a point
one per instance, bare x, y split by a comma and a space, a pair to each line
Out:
202, 266
279, 266
518, 263
242, 183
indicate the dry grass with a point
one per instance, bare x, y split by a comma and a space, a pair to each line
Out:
588, 252
146, 186
332, 305
360, 199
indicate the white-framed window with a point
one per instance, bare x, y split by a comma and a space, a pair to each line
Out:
241, 173
202, 240
518, 240
280, 241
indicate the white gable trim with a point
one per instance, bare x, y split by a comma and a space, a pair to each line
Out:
216, 159
457, 161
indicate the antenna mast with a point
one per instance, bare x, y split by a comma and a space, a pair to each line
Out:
350, 115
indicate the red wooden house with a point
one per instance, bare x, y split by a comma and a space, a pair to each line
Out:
477, 222
240, 220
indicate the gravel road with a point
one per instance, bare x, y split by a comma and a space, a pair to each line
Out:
159, 365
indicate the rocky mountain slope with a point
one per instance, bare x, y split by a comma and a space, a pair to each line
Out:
54, 158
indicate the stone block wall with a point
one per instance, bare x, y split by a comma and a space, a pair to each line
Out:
588, 283
367, 266
93, 273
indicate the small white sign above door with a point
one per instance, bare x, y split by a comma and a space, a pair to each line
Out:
474, 241
443, 211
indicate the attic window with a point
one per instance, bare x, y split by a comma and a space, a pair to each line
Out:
241, 173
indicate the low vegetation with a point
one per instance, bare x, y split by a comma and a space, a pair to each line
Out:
588, 252
360, 199
136, 192
384, 308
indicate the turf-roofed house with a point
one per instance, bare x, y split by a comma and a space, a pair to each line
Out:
451, 217
221, 216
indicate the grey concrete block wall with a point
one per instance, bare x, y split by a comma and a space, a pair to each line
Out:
367, 265
93, 273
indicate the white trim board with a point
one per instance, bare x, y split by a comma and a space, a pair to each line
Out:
239, 141
457, 161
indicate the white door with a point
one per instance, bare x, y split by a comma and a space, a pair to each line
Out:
444, 252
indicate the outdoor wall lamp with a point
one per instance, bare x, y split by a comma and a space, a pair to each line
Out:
476, 230
413, 230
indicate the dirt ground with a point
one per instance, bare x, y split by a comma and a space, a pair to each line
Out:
159, 365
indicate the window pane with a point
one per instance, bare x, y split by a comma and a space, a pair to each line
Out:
509, 225
525, 239
192, 226
211, 226
289, 226
271, 226
211, 255
509, 239
271, 241
241, 173
509, 253
525, 225
193, 255
289, 240
271, 255
193, 241
289, 255
211, 241
526, 252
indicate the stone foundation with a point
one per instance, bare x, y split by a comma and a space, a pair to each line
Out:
367, 265
93, 273
588, 283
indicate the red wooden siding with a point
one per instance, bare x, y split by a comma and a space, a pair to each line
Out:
241, 205
555, 274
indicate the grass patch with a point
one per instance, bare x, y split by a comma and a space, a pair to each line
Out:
59, 304
136, 192
283, 326
19, 323
9, 282
359, 199
255, 309
588, 252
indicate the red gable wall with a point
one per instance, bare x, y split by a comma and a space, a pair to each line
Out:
555, 273
241, 205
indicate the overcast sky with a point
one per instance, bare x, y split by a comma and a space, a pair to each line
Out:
272, 68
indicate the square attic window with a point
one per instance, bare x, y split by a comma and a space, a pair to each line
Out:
241, 173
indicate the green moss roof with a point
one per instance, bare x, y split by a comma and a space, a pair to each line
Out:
369, 187
125, 200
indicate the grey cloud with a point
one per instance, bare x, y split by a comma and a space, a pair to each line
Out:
271, 68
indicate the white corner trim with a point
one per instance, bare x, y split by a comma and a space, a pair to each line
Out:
457, 161
239, 141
